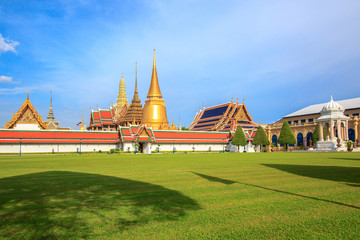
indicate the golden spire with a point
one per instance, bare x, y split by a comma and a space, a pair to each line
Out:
122, 99
27, 98
82, 120
154, 91
154, 112
136, 94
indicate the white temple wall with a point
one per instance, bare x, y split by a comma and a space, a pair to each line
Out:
188, 147
26, 126
43, 148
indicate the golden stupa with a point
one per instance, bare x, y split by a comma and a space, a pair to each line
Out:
154, 113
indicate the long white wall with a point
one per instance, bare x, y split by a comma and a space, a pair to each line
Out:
41, 148
148, 147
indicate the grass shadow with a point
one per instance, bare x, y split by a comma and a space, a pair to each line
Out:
349, 175
216, 179
62, 205
346, 158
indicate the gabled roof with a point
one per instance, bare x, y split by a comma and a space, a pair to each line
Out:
26, 114
220, 118
347, 104
102, 117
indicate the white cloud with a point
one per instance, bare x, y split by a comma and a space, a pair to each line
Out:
7, 45
5, 79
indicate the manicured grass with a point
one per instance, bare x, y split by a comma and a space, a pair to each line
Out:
181, 196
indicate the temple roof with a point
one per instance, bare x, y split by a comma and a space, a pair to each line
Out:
102, 117
347, 104
27, 114
223, 117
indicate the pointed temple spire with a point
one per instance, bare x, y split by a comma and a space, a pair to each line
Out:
122, 99
154, 91
27, 98
135, 112
50, 119
51, 113
136, 94
154, 112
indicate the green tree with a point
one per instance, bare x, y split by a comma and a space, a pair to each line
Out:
239, 138
315, 135
286, 135
261, 138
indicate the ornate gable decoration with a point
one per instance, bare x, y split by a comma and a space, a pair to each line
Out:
144, 134
26, 115
243, 114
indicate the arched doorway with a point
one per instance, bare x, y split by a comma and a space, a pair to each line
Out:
274, 140
308, 138
351, 134
300, 139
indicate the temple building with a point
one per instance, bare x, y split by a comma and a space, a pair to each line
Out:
134, 112
106, 119
304, 121
154, 113
224, 118
26, 118
50, 120
102, 119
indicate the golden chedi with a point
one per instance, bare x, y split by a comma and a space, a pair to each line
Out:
154, 113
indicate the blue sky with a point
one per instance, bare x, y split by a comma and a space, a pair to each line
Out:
280, 55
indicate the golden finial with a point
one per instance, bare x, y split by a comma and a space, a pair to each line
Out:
154, 61
244, 100
237, 101
27, 98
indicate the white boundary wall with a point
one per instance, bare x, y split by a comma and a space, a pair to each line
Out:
43, 147
151, 147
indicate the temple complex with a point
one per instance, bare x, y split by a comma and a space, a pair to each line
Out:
50, 120
154, 113
26, 118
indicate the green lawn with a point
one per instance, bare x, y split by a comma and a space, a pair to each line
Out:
181, 196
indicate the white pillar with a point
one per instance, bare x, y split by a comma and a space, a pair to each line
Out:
346, 130
332, 129
321, 132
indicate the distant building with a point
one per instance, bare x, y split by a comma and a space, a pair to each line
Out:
303, 123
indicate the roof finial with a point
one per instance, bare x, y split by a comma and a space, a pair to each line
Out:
243, 100
136, 75
122, 75
50, 98
331, 99
27, 95
154, 62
